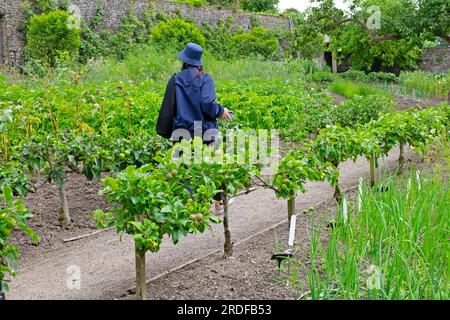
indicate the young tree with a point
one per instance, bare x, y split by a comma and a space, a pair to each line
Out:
379, 33
260, 5
50, 37
398, 19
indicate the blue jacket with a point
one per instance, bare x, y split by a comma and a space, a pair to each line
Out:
196, 101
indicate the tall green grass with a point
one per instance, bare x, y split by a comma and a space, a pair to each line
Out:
350, 89
150, 63
396, 247
424, 84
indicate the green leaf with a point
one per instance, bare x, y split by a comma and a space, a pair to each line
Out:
8, 194
136, 224
134, 199
176, 235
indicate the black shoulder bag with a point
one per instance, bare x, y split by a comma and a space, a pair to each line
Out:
164, 124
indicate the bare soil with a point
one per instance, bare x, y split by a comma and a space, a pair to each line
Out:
404, 103
83, 199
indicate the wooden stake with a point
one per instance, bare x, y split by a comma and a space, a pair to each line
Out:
228, 244
87, 235
141, 285
65, 215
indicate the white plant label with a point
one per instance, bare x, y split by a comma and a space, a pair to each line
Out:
408, 188
292, 231
418, 179
360, 190
345, 209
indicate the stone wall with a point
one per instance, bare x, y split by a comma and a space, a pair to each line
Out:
12, 13
10, 20
436, 60
116, 9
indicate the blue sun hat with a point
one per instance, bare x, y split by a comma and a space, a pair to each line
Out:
192, 55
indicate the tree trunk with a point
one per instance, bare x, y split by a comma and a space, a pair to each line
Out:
141, 281
64, 216
334, 62
2, 294
291, 207
372, 171
337, 192
228, 244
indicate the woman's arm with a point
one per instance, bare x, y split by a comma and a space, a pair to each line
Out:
208, 101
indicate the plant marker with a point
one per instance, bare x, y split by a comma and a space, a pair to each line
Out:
418, 179
292, 231
408, 188
345, 209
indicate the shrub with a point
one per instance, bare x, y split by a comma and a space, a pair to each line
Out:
357, 75
220, 39
259, 5
49, 36
131, 31
354, 75
385, 77
322, 76
361, 110
259, 41
176, 33
195, 3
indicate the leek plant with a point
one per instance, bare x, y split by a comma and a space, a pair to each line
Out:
393, 245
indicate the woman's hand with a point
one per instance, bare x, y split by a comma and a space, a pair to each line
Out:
225, 115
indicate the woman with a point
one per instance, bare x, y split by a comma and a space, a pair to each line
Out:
197, 110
